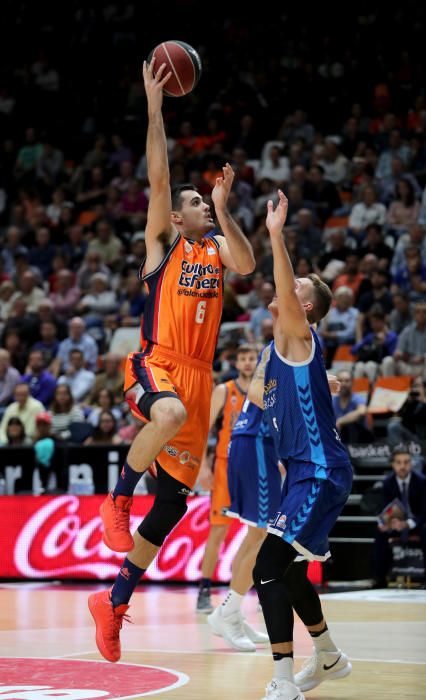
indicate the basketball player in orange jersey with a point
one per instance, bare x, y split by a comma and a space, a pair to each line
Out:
168, 384
226, 404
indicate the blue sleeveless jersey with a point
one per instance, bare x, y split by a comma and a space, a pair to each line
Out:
299, 411
251, 421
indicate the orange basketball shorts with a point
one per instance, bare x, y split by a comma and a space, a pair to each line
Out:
220, 498
160, 370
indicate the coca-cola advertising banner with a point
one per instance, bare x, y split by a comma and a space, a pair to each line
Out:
60, 537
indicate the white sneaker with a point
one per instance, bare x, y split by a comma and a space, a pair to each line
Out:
281, 689
231, 628
255, 635
326, 665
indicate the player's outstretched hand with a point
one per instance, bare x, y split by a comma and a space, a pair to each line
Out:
275, 220
154, 84
222, 188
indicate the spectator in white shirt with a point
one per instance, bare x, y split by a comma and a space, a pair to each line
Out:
24, 407
334, 163
368, 211
79, 379
274, 166
339, 326
8, 294
409, 357
31, 294
100, 300
9, 378
77, 339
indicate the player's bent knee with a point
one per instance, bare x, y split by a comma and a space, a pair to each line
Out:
169, 414
273, 559
161, 520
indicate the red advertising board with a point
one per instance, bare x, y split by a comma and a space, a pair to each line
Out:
60, 537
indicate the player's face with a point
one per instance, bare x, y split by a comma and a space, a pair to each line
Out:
304, 290
194, 214
246, 364
402, 465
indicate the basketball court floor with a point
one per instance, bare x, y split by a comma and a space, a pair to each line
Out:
47, 647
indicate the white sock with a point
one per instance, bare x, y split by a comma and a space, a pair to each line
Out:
324, 642
232, 603
283, 669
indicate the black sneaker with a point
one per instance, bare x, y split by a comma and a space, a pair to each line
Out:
204, 604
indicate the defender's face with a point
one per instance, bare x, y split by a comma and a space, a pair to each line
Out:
194, 214
304, 291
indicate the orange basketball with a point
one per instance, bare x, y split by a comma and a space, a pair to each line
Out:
182, 61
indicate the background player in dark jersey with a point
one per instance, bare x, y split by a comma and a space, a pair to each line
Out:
226, 403
254, 490
297, 402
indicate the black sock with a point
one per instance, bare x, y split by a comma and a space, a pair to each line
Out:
205, 583
277, 656
318, 634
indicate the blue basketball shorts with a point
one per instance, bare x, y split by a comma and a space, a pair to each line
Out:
310, 507
254, 480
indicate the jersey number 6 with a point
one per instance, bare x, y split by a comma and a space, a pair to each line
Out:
201, 312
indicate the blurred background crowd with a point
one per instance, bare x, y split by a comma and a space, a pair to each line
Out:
336, 119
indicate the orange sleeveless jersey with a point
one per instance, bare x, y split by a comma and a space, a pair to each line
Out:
184, 305
234, 401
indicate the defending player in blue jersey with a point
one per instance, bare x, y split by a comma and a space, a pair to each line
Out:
254, 481
297, 403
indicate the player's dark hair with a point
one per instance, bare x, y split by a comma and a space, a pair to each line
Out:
400, 450
321, 301
176, 194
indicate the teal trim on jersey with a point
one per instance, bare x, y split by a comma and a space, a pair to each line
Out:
304, 393
262, 498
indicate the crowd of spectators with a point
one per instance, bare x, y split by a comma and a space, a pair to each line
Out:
344, 135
